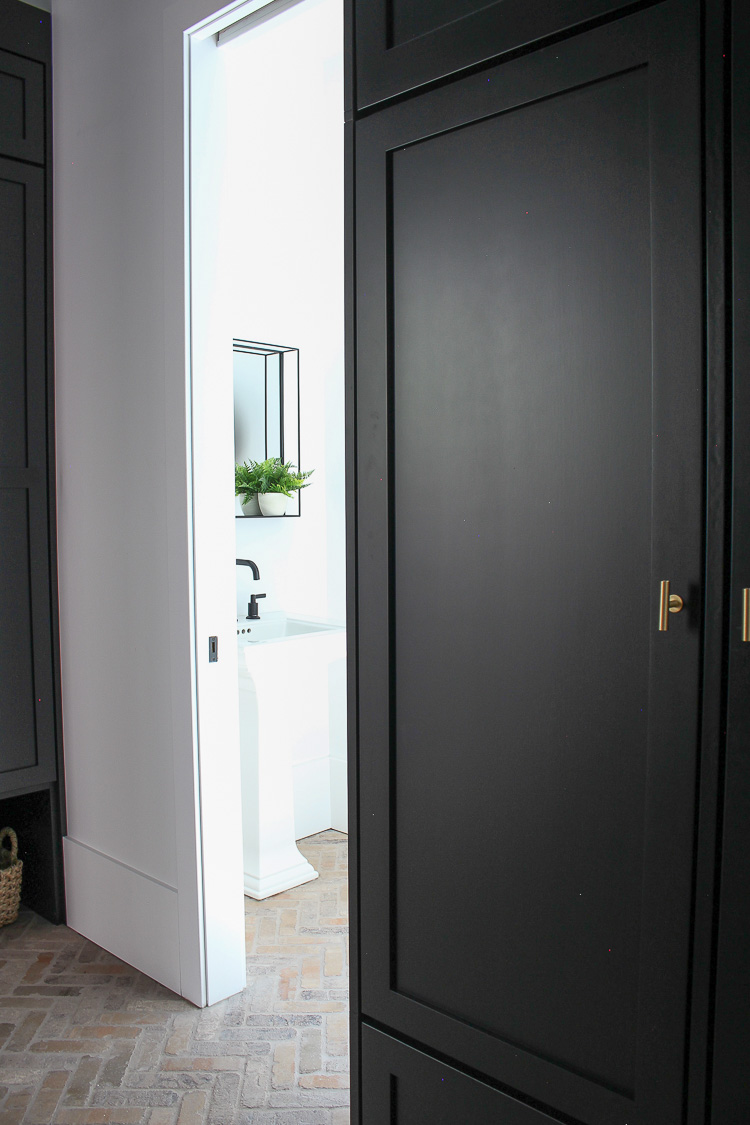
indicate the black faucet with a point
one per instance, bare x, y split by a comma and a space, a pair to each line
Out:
252, 605
252, 565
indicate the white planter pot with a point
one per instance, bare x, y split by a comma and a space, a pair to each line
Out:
272, 503
250, 507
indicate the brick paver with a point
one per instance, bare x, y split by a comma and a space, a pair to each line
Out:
87, 1040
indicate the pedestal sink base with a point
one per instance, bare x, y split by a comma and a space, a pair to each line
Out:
275, 647
279, 881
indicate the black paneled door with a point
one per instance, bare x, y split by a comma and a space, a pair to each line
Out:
529, 460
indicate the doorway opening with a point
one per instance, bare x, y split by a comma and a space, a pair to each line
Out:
266, 263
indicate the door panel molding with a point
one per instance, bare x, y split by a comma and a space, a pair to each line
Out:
405, 1086
397, 51
22, 91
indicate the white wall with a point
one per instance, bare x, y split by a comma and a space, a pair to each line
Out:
143, 852
134, 838
112, 447
283, 255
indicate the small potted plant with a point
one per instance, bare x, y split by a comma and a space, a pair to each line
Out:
247, 486
272, 481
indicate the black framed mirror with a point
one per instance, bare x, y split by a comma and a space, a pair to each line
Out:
266, 406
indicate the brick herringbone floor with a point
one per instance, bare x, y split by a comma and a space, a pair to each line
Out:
88, 1040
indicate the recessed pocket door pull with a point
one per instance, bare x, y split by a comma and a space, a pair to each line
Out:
668, 603
746, 614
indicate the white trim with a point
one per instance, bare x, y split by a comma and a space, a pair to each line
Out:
219, 894
211, 930
224, 18
269, 9
197, 903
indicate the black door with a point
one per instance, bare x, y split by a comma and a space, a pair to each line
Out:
529, 472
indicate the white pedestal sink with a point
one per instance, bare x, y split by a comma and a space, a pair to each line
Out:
272, 656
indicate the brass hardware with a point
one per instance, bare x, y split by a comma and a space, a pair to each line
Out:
668, 603
746, 614
664, 606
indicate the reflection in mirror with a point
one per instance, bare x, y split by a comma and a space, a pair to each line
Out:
266, 406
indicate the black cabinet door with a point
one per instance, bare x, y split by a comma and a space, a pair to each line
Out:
27, 709
29, 685
404, 1086
529, 397
403, 44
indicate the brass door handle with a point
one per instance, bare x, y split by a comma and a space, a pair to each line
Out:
668, 603
746, 614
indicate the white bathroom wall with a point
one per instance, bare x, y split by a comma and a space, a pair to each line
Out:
315, 725
282, 230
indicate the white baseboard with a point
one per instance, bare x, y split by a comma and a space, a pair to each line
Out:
339, 807
124, 911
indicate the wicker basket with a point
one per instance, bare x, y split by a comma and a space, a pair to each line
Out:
10, 879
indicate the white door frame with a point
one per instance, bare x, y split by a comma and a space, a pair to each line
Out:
207, 782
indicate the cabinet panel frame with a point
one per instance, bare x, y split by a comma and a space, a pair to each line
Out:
386, 69
31, 73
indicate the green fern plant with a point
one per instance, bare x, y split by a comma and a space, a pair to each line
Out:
246, 480
272, 475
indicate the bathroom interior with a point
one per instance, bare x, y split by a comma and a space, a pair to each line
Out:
279, 230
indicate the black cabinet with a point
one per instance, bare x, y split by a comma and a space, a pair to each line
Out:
537, 375
30, 760
401, 45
